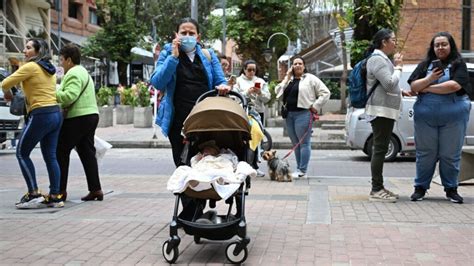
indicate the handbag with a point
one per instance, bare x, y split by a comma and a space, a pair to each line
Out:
284, 111
18, 103
65, 110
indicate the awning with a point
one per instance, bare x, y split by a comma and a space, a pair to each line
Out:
71, 37
142, 56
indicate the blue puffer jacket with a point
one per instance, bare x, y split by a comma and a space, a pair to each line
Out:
164, 79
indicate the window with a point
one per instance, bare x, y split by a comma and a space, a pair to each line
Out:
466, 24
73, 9
93, 17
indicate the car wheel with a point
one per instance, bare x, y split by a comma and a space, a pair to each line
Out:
392, 152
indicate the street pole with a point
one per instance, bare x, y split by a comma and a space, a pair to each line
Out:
223, 27
60, 19
194, 9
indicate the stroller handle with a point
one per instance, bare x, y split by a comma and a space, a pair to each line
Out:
215, 92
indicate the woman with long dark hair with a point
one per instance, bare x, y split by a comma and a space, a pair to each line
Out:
383, 106
42, 125
441, 113
303, 95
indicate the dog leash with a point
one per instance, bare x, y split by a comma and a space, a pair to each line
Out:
314, 117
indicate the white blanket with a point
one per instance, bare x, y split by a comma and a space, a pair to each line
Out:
223, 172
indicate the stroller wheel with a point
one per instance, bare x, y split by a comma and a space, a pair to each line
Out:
172, 256
197, 240
236, 259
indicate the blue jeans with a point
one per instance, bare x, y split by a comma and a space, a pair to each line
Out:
297, 124
43, 125
440, 128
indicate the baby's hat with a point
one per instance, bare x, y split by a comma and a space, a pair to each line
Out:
209, 143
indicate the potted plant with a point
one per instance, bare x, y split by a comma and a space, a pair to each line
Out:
106, 110
143, 112
124, 111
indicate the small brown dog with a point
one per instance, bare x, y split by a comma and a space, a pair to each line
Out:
278, 170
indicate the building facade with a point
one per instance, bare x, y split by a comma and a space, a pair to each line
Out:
420, 22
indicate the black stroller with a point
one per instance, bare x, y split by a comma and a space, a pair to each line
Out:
224, 121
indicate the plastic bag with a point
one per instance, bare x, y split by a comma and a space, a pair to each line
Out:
101, 147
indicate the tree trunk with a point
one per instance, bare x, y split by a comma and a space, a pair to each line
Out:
344, 64
122, 72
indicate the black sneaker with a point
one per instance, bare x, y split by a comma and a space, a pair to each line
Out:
419, 194
30, 201
54, 201
453, 196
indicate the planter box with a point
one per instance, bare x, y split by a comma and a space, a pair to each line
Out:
106, 116
143, 117
124, 114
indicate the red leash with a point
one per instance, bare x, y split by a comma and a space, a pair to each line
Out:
313, 118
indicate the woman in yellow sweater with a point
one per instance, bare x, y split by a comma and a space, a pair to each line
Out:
42, 125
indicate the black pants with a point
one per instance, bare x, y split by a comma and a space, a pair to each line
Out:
382, 130
78, 132
176, 141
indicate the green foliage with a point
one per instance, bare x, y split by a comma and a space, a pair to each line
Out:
369, 16
142, 97
358, 49
333, 87
271, 87
254, 22
126, 96
103, 96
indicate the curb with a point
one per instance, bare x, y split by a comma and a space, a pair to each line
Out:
152, 144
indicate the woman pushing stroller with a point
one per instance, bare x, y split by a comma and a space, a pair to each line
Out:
185, 71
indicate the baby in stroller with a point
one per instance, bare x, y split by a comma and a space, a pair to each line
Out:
212, 167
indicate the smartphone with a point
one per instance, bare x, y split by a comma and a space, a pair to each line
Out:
232, 79
257, 85
437, 64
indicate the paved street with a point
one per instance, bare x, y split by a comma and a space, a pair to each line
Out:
323, 220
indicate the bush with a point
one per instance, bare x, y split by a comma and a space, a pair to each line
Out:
103, 96
142, 95
334, 88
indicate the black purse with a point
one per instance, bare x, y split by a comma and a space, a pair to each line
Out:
284, 111
18, 103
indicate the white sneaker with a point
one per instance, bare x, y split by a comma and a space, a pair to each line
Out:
260, 173
302, 175
296, 174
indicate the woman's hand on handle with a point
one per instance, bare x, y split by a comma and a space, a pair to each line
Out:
223, 89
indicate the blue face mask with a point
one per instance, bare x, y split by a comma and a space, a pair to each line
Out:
188, 43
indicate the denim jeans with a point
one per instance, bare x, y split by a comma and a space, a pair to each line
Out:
440, 128
297, 124
43, 125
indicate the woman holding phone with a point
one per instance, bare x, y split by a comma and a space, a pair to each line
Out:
303, 95
441, 113
255, 89
185, 71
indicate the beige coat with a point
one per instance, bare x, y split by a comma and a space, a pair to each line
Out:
312, 91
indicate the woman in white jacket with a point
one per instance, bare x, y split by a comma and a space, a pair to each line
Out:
303, 94
253, 87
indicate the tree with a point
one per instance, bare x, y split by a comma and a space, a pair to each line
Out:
254, 22
369, 17
121, 31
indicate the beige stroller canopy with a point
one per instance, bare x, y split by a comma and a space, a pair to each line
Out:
216, 114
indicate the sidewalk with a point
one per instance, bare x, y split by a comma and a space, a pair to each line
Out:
315, 221
126, 136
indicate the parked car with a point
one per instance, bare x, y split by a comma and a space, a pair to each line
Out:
359, 131
9, 124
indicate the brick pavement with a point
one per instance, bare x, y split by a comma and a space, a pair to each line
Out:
284, 224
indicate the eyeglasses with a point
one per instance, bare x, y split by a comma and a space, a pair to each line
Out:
250, 69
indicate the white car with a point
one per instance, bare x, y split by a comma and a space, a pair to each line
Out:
359, 132
9, 124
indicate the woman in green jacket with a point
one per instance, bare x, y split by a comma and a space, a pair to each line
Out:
77, 95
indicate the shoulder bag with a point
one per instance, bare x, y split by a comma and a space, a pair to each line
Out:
18, 103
